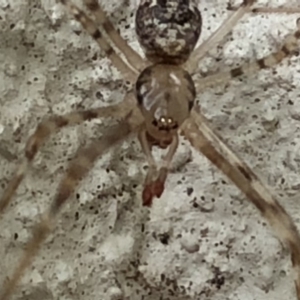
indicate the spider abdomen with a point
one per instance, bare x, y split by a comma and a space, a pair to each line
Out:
168, 30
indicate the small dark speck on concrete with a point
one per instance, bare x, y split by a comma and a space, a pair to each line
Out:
189, 191
164, 238
195, 205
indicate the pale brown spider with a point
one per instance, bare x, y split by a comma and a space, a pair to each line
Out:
165, 93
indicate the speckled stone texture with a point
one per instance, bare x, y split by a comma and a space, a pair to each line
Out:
202, 236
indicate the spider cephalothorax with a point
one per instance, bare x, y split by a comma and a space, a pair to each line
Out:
165, 95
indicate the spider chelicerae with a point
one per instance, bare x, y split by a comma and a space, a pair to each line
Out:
163, 105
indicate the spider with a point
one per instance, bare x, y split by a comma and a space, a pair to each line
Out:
162, 108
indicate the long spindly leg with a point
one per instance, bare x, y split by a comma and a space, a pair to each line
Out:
218, 35
101, 19
78, 168
289, 48
97, 35
277, 10
50, 126
204, 139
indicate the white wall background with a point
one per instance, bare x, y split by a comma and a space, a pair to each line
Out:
106, 245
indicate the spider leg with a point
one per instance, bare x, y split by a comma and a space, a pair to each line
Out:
289, 48
218, 35
102, 20
277, 10
89, 25
50, 126
78, 168
205, 140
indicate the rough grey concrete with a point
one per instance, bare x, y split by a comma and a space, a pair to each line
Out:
106, 246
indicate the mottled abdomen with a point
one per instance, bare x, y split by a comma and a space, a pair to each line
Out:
168, 30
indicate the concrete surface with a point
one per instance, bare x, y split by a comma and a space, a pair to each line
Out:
202, 236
